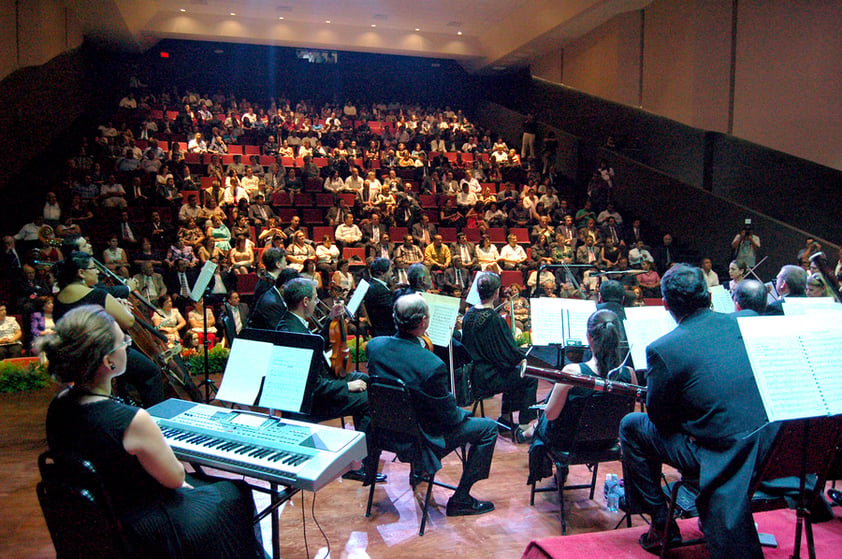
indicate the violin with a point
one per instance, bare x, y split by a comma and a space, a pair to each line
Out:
338, 337
428, 343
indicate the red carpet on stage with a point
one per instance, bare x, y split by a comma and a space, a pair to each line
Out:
623, 543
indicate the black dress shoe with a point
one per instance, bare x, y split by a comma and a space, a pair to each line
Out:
835, 496
467, 508
653, 540
359, 475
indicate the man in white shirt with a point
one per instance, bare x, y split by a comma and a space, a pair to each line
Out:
250, 182
473, 184
354, 182
711, 277
512, 256
197, 144
348, 234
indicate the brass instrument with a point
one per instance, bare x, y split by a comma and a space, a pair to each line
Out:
598, 384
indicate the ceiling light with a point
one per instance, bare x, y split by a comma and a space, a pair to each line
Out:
232, 14
417, 29
182, 10
327, 21
282, 17
459, 33
374, 25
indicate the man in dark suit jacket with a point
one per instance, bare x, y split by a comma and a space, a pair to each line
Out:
332, 397
464, 251
270, 309
234, 316
423, 231
180, 282
791, 281
444, 425
384, 249
378, 298
704, 417
373, 230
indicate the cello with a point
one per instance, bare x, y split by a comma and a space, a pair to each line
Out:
154, 344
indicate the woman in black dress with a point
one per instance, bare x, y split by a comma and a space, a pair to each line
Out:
564, 403
162, 514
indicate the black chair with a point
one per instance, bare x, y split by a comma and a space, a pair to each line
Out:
595, 440
78, 510
395, 428
792, 475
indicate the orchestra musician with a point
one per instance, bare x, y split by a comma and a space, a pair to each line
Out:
76, 276
564, 403
419, 280
496, 358
704, 415
378, 298
333, 397
161, 513
444, 425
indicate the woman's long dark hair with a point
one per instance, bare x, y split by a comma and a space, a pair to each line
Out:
604, 330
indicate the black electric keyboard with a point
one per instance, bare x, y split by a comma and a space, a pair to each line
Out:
293, 453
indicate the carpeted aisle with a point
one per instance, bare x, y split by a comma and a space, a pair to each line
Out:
623, 543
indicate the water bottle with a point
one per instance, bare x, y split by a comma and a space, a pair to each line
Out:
611, 483
614, 498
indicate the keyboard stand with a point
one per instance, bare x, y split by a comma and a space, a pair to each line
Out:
277, 498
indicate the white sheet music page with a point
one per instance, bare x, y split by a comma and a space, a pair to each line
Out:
643, 326
286, 378
576, 326
794, 306
721, 299
796, 364
247, 364
545, 313
443, 313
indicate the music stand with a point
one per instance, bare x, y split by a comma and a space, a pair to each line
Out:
200, 291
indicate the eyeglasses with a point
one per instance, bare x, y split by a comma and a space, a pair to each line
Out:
127, 342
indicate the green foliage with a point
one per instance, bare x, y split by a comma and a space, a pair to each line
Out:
524, 339
14, 378
217, 358
352, 346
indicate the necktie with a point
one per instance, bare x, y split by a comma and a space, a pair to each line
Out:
458, 277
614, 236
384, 251
466, 257
375, 234
426, 236
182, 281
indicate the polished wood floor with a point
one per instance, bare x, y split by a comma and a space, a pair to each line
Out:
392, 531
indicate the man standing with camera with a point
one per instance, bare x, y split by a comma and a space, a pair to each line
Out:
745, 245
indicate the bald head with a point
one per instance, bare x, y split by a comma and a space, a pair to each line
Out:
409, 313
750, 295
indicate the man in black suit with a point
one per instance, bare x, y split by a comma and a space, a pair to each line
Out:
611, 295
180, 282
423, 231
274, 261
790, 282
704, 417
332, 397
444, 425
749, 298
384, 249
270, 308
378, 298
373, 230
465, 252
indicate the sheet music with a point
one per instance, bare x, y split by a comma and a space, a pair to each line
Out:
577, 313
794, 306
204, 279
247, 364
473, 295
796, 364
357, 298
643, 326
285, 385
443, 313
546, 317
721, 299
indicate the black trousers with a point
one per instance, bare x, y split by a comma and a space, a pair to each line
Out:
145, 376
724, 474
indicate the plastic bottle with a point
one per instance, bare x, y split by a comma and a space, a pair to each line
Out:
614, 498
611, 482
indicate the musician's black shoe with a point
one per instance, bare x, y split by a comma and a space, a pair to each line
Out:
468, 508
359, 475
505, 426
835, 496
653, 540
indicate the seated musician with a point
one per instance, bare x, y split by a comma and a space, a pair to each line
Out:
553, 429
162, 514
496, 358
76, 276
445, 425
704, 415
333, 396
